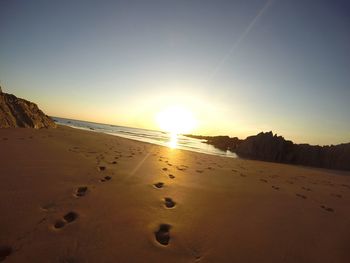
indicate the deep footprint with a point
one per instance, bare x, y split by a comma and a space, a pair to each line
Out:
169, 203
171, 176
70, 217
59, 224
163, 235
5, 251
159, 185
81, 191
101, 168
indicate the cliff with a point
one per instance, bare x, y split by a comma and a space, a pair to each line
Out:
16, 112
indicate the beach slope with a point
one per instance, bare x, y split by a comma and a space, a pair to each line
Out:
69, 195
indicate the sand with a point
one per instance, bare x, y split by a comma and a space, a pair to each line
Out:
69, 195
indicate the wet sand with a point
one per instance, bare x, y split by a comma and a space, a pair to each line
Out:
73, 196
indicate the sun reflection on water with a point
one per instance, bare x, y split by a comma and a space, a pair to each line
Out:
173, 141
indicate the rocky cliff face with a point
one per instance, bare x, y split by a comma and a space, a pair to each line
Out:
265, 147
269, 147
273, 148
16, 112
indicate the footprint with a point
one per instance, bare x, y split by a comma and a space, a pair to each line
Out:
275, 187
263, 180
81, 191
199, 171
181, 167
169, 203
337, 195
59, 224
67, 218
114, 162
106, 178
159, 185
243, 175
301, 196
70, 217
101, 168
163, 235
165, 169
5, 251
171, 176
328, 209
306, 188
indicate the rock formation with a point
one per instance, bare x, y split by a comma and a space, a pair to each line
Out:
16, 112
269, 147
273, 148
221, 142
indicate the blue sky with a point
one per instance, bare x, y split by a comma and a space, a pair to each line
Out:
240, 66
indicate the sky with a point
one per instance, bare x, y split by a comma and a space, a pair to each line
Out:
239, 67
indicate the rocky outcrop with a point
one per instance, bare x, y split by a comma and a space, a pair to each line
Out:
16, 112
265, 147
269, 147
221, 142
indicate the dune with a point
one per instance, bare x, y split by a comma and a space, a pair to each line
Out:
70, 195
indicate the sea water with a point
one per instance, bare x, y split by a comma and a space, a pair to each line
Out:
151, 136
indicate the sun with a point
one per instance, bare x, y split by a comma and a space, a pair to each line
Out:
176, 120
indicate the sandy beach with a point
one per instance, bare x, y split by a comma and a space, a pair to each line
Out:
69, 195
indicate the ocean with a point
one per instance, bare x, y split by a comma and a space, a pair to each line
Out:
150, 136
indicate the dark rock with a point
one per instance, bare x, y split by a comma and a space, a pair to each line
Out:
221, 142
16, 112
269, 147
273, 148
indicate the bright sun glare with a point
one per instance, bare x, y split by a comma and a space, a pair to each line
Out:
176, 120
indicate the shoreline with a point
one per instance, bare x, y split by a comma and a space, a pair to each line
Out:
238, 157
155, 137
80, 196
